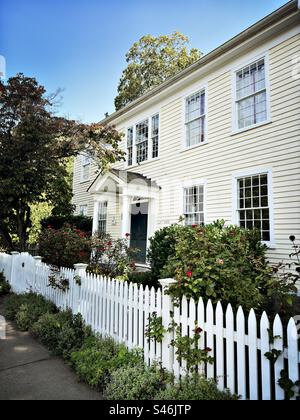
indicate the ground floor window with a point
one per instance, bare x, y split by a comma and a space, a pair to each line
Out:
194, 205
83, 210
102, 220
254, 204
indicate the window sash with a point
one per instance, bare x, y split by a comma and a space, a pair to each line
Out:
254, 204
83, 209
194, 205
195, 119
102, 217
155, 135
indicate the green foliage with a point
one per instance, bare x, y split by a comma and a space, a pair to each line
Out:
64, 247
162, 247
194, 388
151, 61
273, 355
82, 223
188, 348
61, 333
99, 357
112, 258
221, 263
288, 385
136, 383
145, 278
4, 285
26, 308
155, 330
57, 281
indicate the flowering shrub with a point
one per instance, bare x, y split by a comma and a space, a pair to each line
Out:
223, 263
112, 258
64, 247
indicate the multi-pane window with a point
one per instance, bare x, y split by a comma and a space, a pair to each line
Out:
155, 135
195, 119
85, 169
130, 146
194, 205
253, 204
83, 210
141, 140
102, 225
251, 95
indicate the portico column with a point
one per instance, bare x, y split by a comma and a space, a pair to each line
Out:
126, 213
96, 217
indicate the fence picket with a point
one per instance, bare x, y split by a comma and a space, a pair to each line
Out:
122, 311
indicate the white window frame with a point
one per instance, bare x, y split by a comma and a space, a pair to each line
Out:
81, 207
132, 147
145, 117
235, 100
184, 99
102, 203
151, 135
86, 161
235, 214
190, 184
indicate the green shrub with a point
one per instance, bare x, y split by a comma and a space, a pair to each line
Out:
220, 263
4, 285
136, 383
64, 247
99, 357
161, 249
143, 278
30, 306
194, 388
61, 333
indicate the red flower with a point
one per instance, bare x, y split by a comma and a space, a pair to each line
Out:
194, 226
49, 227
109, 243
127, 235
207, 350
198, 330
189, 274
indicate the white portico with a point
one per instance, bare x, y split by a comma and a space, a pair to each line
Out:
126, 203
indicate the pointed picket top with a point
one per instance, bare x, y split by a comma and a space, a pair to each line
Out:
264, 321
292, 338
209, 307
252, 317
277, 327
292, 329
219, 310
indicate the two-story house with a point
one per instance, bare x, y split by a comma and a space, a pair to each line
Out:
220, 140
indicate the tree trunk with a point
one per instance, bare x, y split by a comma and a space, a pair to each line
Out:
23, 222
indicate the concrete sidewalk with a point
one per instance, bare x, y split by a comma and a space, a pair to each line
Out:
29, 372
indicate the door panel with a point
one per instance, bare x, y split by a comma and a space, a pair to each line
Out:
138, 235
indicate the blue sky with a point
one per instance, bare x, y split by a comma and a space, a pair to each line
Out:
80, 45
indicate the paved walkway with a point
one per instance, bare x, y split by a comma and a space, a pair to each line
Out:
29, 372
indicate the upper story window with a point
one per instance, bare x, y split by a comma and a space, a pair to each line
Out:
193, 202
85, 168
195, 119
141, 141
251, 95
130, 146
254, 204
155, 135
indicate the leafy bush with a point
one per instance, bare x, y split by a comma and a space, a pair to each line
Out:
194, 388
143, 278
136, 383
112, 258
161, 249
64, 247
221, 263
99, 357
27, 308
4, 285
61, 333
83, 223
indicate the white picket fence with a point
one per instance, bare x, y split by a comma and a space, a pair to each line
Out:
119, 310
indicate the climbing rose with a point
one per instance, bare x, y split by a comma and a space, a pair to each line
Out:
208, 350
198, 330
127, 235
189, 274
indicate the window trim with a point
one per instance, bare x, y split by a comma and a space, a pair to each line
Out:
253, 172
82, 166
195, 183
133, 125
201, 88
239, 66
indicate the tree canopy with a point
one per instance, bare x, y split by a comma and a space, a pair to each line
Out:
151, 61
35, 146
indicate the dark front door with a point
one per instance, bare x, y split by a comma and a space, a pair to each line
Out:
138, 234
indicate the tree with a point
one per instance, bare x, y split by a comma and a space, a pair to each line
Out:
150, 62
35, 146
